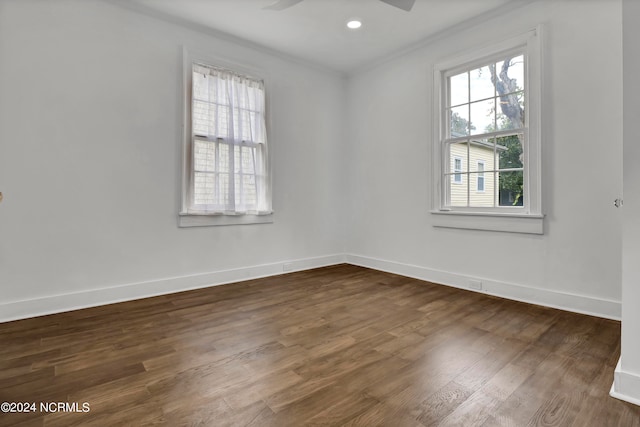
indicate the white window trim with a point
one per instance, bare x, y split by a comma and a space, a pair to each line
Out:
185, 218
517, 220
478, 172
459, 172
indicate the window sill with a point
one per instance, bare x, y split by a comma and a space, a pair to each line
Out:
490, 221
192, 220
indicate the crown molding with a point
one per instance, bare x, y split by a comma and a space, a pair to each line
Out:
221, 35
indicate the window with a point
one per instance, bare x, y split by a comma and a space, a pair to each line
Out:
485, 110
488, 119
457, 169
480, 179
226, 171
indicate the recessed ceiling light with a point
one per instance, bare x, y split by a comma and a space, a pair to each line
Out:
354, 24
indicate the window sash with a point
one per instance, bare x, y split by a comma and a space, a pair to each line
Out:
449, 174
235, 177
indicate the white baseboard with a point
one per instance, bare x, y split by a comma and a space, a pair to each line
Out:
59, 303
599, 307
626, 386
74, 301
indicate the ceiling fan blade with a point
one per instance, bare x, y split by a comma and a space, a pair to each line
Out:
401, 4
282, 4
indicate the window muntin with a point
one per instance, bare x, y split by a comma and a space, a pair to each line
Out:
228, 164
485, 111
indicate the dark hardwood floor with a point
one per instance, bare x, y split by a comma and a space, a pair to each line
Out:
339, 345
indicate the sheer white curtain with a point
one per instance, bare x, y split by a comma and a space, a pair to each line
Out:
229, 144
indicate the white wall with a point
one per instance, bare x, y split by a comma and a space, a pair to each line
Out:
576, 263
627, 376
89, 163
90, 116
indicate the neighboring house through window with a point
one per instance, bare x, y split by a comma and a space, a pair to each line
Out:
488, 130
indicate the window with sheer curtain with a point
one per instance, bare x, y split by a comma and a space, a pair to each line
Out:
228, 164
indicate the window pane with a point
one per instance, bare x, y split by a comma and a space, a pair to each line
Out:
510, 71
237, 165
219, 90
242, 125
459, 121
223, 162
458, 158
204, 156
223, 189
480, 84
457, 191
259, 132
200, 86
457, 180
204, 188
253, 97
201, 118
244, 159
510, 187
510, 114
210, 119
509, 150
510, 88
459, 89
245, 190
481, 189
483, 116
248, 160
481, 151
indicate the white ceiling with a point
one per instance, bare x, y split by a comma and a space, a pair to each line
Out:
315, 30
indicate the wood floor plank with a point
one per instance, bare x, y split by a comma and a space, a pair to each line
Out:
339, 345
349, 407
384, 414
441, 403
